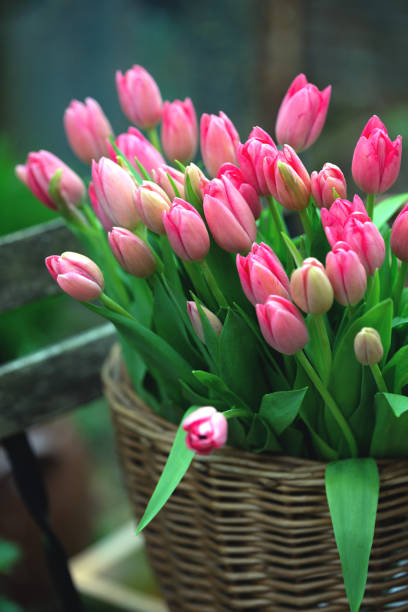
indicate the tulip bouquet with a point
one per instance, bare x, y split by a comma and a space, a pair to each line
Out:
231, 326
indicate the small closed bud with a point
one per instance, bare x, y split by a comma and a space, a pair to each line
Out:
368, 346
207, 430
186, 231
310, 287
151, 201
131, 252
196, 320
77, 275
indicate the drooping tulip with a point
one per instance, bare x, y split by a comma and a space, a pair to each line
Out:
207, 430
77, 275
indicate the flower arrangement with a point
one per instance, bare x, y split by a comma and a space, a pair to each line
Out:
230, 326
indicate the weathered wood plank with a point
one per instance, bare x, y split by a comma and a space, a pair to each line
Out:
23, 276
54, 380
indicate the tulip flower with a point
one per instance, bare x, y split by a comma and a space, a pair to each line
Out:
251, 157
151, 201
186, 231
368, 347
77, 275
195, 319
262, 274
131, 252
179, 131
376, 160
334, 220
287, 179
219, 141
310, 287
160, 176
198, 181
302, 114
207, 430
324, 182
139, 97
365, 239
114, 190
346, 274
106, 221
262, 135
399, 235
87, 130
234, 174
133, 144
37, 173
282, 325
228, 216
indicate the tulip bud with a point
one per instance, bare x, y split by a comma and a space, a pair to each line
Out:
160, 176
399, 235
219, 141
87, 130
346, 274
310, 287
368, 346
282, 325
186, 231
334, 220
262, 274
195, 319
38, 172
228, 216
198, 181
207, 430
249, 193
302, 114
104, 219
251, 156
77, 275
262, 135
134, 145
376, 160
179, 131
365, 239
287, 179
131, 252
139, 97
324, 183
114, 190
151, 201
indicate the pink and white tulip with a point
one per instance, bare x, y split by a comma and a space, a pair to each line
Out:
207, 430
114, 190
77, 275
139, 97
87, 130
106, 221
179, 130
346, 274
324, 182
262, 274
160, 176
282, 325
151, 201
131, 252
186, 231
310, 287
287, 179
219, 141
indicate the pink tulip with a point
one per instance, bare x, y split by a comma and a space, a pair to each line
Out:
251, 157
302, 114
399, 235
365, 239
219, 141
133, 144
333, 220
262, 135
195, 319
179, 131
262, 274
186, 231
77, 275
324, 182
207, 430
228, 216
106, 221
346, 274
114, 190
87, 129
160, 176
282, 325
287, 179
234, 174
151, 201
376, 160
139, 97
310, 287
131, 252
37, 173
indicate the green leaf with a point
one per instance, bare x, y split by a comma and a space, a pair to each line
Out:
352, 489
176, 466
385, 209
260, 437
203, 400
396, 371
390, 437
9, 555
297, 257
280, 409
173, 184
217, 388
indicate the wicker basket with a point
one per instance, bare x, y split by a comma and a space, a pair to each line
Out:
251, 532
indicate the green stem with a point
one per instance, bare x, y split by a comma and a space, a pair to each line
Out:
114, 306
154, 138
276, 216
331, 404
402, 275
370, 204
378, 377
212, 283
236, 412
307, 226
324, 345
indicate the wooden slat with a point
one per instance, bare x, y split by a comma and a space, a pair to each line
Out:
23, 276
54, 380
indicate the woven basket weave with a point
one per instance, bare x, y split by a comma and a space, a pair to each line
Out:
251, 532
